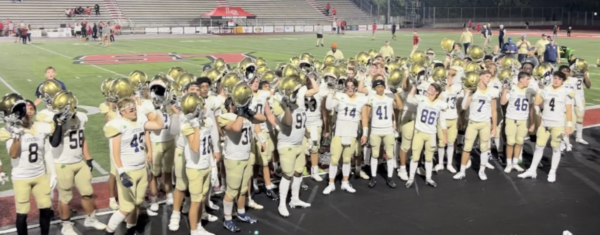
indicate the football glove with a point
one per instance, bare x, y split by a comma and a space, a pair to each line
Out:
90, 164
126, 180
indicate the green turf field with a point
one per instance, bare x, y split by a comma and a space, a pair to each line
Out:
22, 66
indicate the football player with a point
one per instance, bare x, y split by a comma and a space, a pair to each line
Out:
381, 109
291, 117
202, 143
239, 159
72, 161
569, 84
449, 95
480, 99
316, 116
518, 112
108, 109
556, 100
349, 108
583, 78
430, 114
126, 134
496, 84
25, 142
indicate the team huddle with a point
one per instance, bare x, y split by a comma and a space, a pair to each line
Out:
230, 127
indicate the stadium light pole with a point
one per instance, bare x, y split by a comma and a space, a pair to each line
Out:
387, 19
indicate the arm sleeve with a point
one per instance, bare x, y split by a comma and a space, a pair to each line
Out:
56, 137
464, 104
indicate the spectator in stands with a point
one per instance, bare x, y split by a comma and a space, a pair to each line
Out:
540, 47
386, 50
568, 31
394, 32
523, 46
72, 12
501, 33
88, 10
319, 30
552, 54
50, 75
97, 9
68, 12
509, 49
337, 54
466, 38
333, 12
527, 25
327, 7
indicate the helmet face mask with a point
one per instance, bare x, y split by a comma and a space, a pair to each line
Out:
158, 93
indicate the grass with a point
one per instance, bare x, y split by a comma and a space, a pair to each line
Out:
22, 66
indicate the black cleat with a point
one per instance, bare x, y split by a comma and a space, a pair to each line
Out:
271, 194
372, 182
390, 182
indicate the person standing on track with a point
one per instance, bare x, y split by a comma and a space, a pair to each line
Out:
393, 31
319, 35
416, 40
467, 39
374, 27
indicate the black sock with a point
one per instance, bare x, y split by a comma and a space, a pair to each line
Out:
21, 224
45, 218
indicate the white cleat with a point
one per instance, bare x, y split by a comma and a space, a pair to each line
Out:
439, 167
174, 222
451, 169
364, 175
528, 174
348, 188
208, 217
330, 188
202, 231
489, 166
459, 176
299, 203
316, 177
468, 164
67, 229
252, 204
508, 168
153, 207
482, 175
151, 212
212, 206
93, 222
283, 211
581, 141
518, 168
402, 174
169, 200
114, 205
552, 177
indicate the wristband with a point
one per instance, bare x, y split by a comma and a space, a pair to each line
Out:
569, 124
261, 138
365, 131
120, 170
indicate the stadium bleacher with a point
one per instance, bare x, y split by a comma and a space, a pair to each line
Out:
347, 9
165, 13
281, 11
49, 13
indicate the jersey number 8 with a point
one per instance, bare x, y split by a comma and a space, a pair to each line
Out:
33, 152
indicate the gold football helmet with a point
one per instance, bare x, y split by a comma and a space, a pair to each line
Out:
471, 80
260, 62
598, 63
160, 90
329, 61
457, 62
306, 63
247, 68
508, 63
269, 77
318, 65
184, 80
48, 89
192, 106
261, 70
289, 86
372, 53
476, 53
439, 75
65, 104
472, 67
290, 70
229, 82
395, 78
447, 45
579, 67
331, 74
219, 62
389, 66
403, 62
241, 94
214, 75
418, 57
295, 61
119, 89
505, 76
105, 86
10, 105
414, 71
174, 73
138, 80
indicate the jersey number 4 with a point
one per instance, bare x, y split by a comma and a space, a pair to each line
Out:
428, 117
522, 104
76, 139
138, 142
352, 112
551, 104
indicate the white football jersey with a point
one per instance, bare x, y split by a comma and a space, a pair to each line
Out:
496, 84
428, 114
422, 88
133, 146
480, 108
258, 105
165, 134
382, 110
519, 103
45, 115
237, 144
180, 138
30, 163
70, 149
571, 83
312, 106
555, 103
290, 135
450, 96
348, 114
209, 143
579, 87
